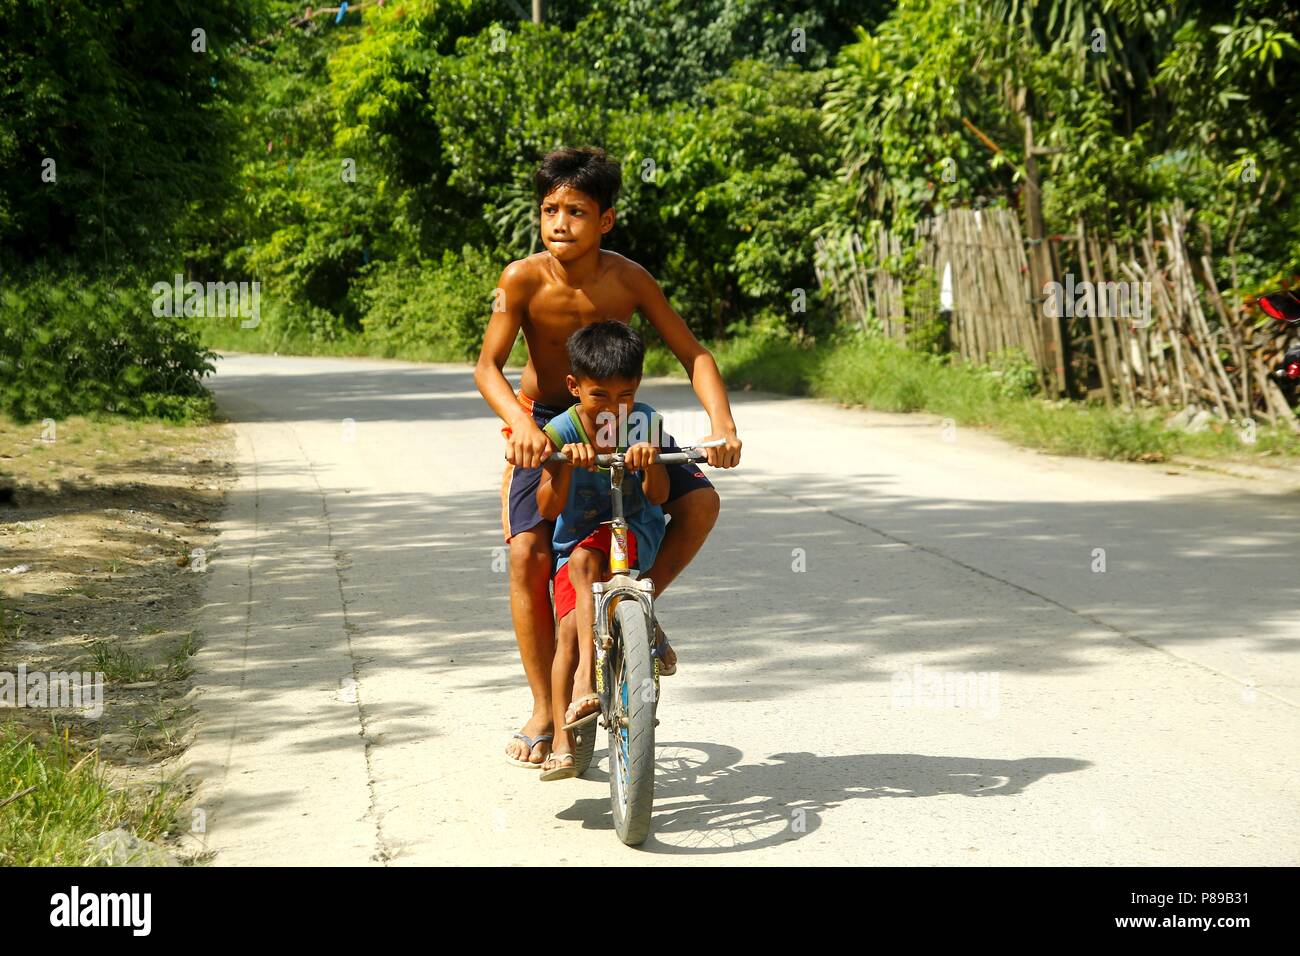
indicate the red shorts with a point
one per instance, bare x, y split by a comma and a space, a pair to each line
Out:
598, 540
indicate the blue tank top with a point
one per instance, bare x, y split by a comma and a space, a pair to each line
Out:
590, 502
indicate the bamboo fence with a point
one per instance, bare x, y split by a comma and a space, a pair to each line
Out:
1172, 342
1188, 348
871, 296
992, 305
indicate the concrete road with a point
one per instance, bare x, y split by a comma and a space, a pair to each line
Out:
901, 645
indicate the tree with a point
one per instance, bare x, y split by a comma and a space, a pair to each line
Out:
114, 127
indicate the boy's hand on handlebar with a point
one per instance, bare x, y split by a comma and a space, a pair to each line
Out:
527, 446
580, 455
723, 456
640, 456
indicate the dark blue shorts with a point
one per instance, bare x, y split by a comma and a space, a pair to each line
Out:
519, 485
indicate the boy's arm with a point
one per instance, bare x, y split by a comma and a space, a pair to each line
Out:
526, 446
553, 489
643, 457
654, 484
553, 485
698, 362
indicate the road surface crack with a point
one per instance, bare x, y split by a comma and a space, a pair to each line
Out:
342, 562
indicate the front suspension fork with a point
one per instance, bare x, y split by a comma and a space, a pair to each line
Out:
607, 596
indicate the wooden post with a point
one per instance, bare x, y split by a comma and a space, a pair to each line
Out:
1099, 349
1040, 258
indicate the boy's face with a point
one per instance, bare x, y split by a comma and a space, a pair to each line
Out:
605, 404
572, 223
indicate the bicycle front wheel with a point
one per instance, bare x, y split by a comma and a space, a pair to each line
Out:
632, 729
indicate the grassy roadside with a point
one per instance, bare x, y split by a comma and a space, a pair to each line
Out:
64, 797
103, 522
880, 375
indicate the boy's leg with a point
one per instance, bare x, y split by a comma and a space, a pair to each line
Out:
566, 659
693, 516
571, 675
530, 609
586, 567
529, 537
693, 506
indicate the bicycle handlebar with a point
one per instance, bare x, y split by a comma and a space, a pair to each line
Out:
691, 453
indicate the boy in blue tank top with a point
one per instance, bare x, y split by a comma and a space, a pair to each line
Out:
606, 361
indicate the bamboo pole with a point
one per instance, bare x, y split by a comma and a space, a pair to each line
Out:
1108, 331
1098, 351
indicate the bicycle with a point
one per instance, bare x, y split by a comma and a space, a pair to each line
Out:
627, 666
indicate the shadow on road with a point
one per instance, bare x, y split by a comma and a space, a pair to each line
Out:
707, 801
390, 392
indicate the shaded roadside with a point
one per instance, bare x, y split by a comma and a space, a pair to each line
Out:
105, 533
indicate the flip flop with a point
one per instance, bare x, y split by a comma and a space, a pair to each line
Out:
585, 719
560, 773
531, 742
661, 641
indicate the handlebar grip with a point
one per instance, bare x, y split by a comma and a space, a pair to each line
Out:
669, 458
690, 453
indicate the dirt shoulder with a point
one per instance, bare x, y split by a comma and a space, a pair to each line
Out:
105, 530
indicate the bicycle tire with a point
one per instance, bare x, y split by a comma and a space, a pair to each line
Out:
632, 746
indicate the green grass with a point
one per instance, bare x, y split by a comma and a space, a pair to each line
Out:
881, 375
12, 625
72, 803
179, 664
157, 731
121, 666
91, 443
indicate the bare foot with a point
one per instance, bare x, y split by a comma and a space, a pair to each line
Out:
517, 749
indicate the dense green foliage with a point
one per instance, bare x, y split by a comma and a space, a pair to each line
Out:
1137, 104
374, 174
136, 122
72, 346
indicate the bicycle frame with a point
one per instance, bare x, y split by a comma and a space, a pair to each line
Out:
623, 708
623, 583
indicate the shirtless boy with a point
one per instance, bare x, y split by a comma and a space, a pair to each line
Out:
551, 294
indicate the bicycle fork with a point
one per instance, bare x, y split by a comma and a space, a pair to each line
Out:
621, 586
608, 594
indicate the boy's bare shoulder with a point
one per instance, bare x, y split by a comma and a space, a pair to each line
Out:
621, 264
525, 273
531, 273
627, 271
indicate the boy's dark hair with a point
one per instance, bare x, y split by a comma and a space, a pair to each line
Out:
587, 170
605, 350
